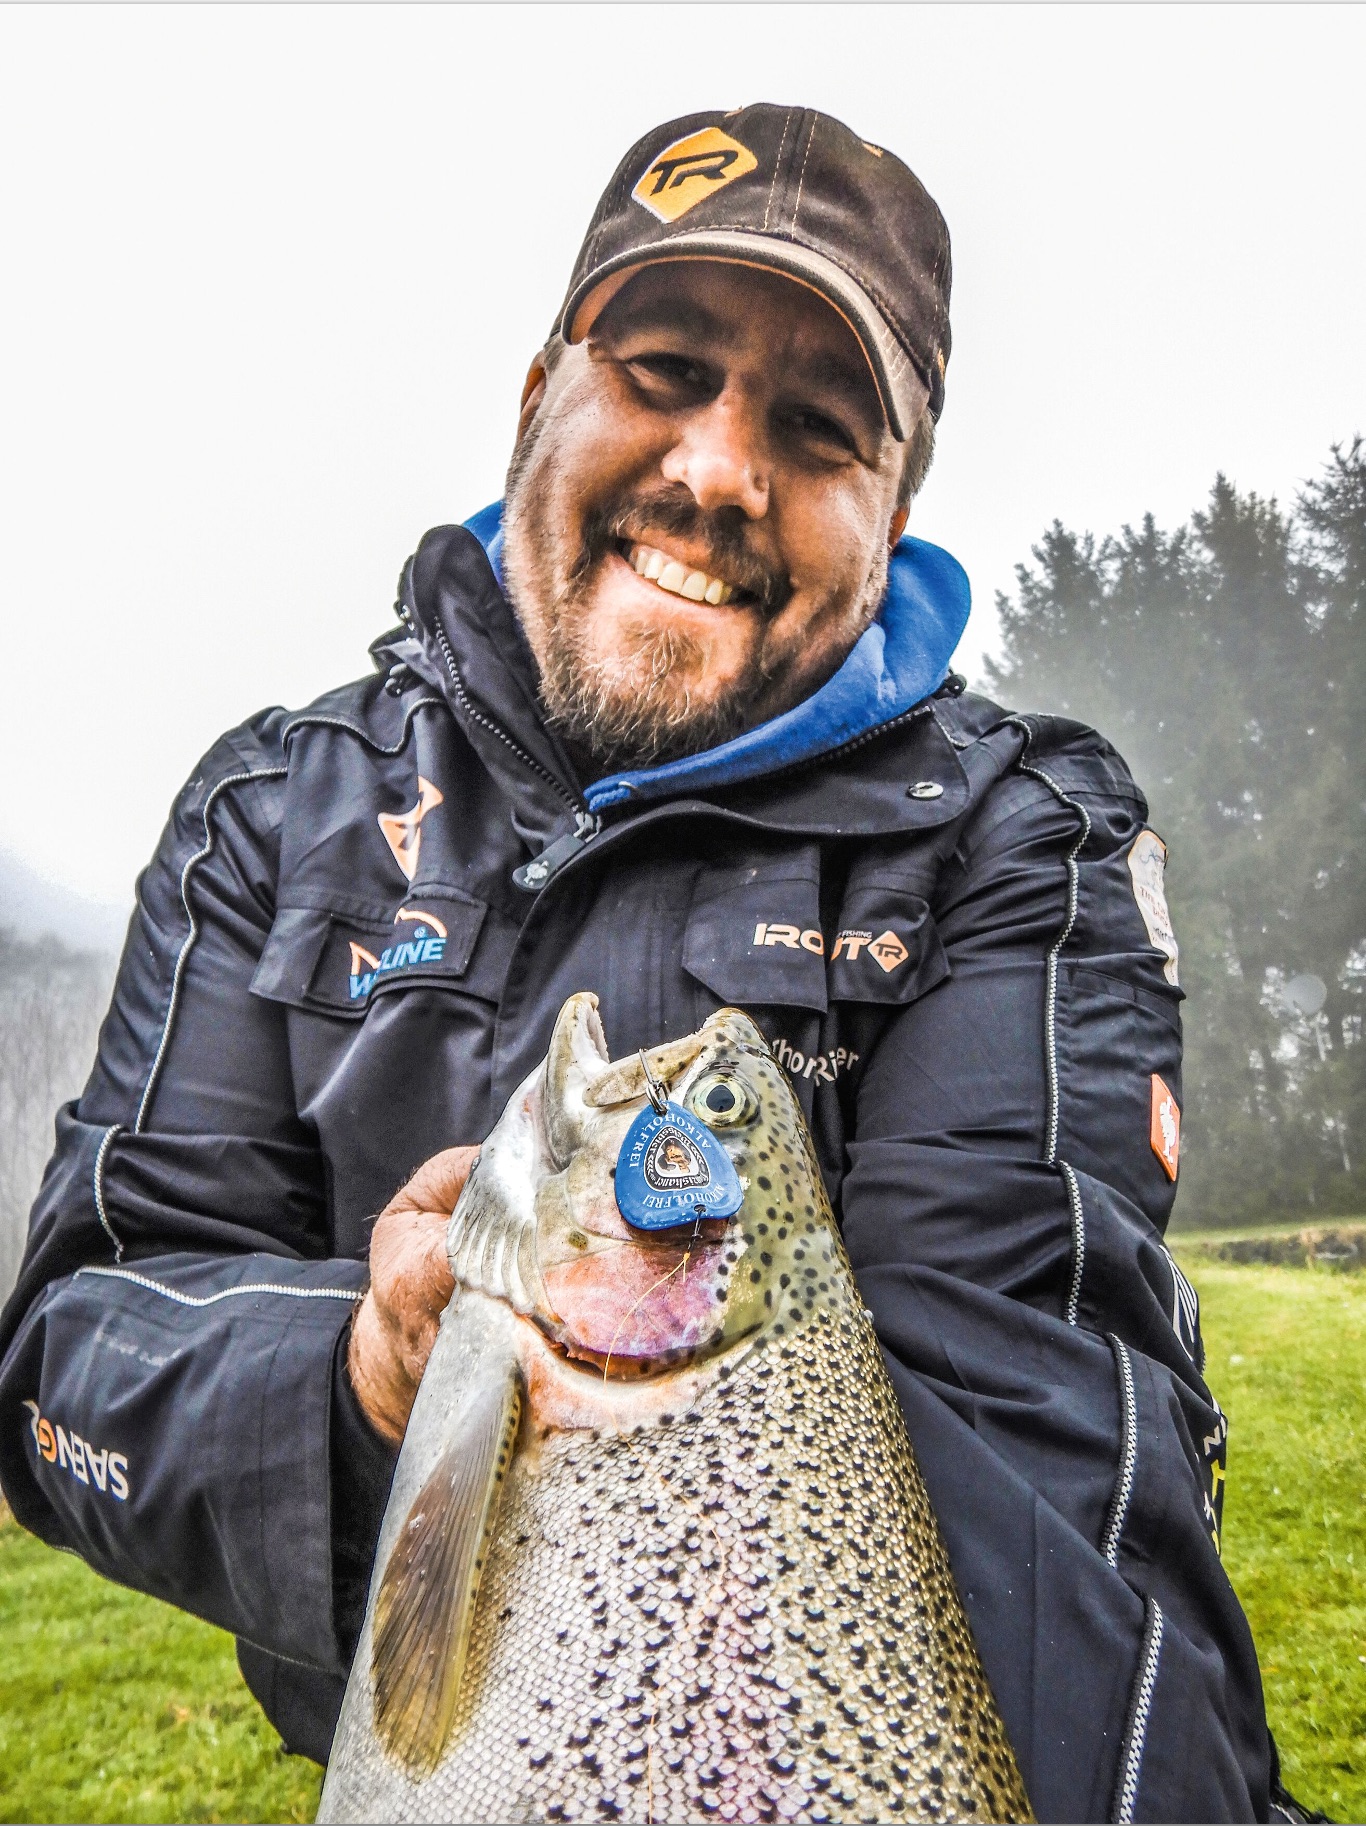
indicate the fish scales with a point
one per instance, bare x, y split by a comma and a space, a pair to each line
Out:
655, 1639
739, 1611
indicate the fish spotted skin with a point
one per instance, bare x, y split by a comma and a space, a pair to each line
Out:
715, 1592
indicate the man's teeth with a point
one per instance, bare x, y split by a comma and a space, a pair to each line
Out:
657, 567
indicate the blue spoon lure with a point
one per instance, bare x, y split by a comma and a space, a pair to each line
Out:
671, 1169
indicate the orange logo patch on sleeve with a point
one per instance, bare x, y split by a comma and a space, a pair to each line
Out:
691, 169
402, 830
1164, 1131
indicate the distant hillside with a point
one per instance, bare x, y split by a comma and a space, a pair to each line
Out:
60, 951
32, 907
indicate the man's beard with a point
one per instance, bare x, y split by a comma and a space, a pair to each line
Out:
635, 706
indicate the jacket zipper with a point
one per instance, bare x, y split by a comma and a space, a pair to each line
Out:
571, 799
923, 708
532, 875
846, 748
869, 735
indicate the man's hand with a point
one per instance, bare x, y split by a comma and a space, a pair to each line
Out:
410, 1282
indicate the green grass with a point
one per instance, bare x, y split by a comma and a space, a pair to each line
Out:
1287, 1361
115, 1707
1210, 1236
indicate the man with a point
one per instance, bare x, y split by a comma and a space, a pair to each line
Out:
675, 725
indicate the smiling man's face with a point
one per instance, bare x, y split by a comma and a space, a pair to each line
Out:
699, 511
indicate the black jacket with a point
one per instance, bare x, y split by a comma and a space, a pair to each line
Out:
309, 1007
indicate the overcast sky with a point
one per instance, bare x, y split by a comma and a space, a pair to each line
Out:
273, 277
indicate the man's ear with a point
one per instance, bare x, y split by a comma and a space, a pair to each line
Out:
532, 395
898, 526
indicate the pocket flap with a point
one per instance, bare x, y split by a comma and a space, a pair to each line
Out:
754, 932
317, 957
886, 946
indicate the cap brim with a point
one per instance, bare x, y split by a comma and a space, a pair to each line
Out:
902, 389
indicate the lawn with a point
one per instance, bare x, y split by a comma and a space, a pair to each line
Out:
114, 1707
1287, 1361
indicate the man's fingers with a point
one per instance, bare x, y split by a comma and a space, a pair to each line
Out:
437, 1184
410, 1286
410, 1274
395, 1327
378, 1374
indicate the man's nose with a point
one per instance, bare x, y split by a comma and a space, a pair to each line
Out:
721, 458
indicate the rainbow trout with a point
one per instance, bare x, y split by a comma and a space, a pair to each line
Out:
657, 1547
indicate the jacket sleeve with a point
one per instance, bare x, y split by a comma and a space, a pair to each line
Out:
1004, 1208
166, 1384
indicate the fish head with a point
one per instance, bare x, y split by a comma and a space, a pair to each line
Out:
620, 1299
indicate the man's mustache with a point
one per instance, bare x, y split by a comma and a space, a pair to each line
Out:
643, 518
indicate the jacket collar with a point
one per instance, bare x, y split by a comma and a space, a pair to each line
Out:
896, 663
464, 639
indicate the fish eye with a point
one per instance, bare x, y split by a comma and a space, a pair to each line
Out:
722, 1101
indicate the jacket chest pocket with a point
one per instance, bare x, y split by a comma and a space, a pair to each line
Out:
337, 959
756, 935
754, 932
885, 947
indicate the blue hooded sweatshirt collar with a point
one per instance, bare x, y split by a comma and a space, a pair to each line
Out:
899, 659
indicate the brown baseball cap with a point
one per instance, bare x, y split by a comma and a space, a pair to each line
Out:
796, 192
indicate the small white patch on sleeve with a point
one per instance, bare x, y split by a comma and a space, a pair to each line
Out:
1147, 866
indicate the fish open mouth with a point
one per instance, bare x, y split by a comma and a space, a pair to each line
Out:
637, 1309
619, 1368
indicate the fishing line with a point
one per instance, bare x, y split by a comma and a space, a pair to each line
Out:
687, 1256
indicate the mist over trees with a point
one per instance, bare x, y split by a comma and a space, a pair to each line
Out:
1225, 661
54, 1001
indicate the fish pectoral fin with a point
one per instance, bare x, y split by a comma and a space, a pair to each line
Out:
424, 1607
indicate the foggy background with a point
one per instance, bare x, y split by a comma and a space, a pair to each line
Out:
273, 278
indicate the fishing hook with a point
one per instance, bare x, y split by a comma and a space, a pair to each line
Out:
654, 1090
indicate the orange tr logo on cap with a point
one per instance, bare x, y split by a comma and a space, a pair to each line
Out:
691, 169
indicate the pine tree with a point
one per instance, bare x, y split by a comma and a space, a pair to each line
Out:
1224, 661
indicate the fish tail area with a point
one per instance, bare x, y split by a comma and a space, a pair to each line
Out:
424, 1607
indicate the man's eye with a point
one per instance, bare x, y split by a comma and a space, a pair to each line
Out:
818, 427
673, 370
